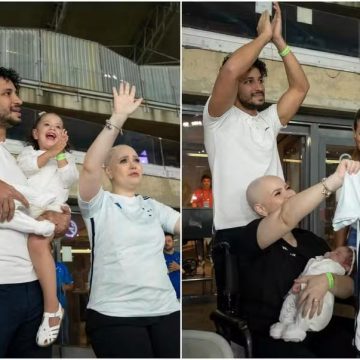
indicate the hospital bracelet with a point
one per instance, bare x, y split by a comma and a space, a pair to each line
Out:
60, 156
330, 279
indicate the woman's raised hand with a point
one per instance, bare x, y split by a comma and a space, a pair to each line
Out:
124, 100
336, 180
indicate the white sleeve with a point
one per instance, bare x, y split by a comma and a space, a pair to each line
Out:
90, 208
69, 174
271, 116
214, 122
167, 216
27, 161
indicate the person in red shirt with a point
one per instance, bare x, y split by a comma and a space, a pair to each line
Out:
202, 197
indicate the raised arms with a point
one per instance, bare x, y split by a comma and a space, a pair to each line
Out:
285, 218
232, 73
91, 174
293, 97
226, 85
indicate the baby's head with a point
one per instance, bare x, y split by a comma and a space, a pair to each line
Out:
343, 255
46, 131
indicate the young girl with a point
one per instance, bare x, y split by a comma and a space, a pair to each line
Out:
52, 170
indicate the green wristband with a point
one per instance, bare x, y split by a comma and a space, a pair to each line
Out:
285, 52
330, 279
60, 156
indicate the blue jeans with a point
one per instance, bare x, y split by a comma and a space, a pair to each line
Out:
21, 310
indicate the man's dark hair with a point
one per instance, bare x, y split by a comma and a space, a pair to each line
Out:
205, 177
258, 64
168, 234
12, 75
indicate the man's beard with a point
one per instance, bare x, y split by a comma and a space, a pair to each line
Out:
250, 106
8, 121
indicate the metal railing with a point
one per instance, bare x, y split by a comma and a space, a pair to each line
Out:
52, 58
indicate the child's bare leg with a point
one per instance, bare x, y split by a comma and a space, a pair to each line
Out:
40, 254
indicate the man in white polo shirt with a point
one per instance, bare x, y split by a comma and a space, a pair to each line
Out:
21, 304
240, 140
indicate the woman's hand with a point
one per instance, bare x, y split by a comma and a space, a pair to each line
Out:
311, 298
124, 103
334, 181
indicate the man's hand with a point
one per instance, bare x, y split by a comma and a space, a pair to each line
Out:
7, 205
61, 220
174, 266
276, 24
264, 26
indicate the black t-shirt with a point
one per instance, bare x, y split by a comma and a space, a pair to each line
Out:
267, 275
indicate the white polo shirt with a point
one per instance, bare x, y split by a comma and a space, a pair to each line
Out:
241, 148
129, 273
15, 263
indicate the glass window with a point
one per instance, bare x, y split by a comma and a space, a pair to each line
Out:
195, 161
82, 133
328, 32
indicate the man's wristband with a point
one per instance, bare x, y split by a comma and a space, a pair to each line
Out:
330, 279
60, 156
285, 51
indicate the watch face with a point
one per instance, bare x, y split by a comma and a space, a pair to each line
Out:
72, 230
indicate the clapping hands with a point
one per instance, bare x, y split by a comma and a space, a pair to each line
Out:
271, 30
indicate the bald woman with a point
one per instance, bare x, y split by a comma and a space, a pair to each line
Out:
272, 253
132, 306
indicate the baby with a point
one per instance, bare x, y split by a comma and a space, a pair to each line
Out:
292, 326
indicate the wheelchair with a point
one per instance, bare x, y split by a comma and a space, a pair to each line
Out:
227, 321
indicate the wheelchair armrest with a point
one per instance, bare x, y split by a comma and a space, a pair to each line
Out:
229, 320
230, 326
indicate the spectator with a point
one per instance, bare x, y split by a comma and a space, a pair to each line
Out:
132, 305
272, 253
239, 135
64, 283
21, 302
202, 197
172, 259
